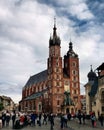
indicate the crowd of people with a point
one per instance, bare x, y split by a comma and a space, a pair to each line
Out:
20, 120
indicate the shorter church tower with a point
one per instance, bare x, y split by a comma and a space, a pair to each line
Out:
71, 69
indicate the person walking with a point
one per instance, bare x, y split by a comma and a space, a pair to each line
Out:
51, 121
80, 117
101, 119
40, 116
13, 118
33, 119
3, 118
45, 119
65, 120
7, 118
93, 120
62, 121
83, 117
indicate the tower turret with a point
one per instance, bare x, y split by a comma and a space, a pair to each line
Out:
91, 75
70, 52
71, 70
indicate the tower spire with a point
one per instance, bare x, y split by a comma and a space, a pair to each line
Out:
54, 29
91, 67
54, 21
70, 46
55, 39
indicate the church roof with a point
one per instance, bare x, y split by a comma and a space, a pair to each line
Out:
42, 76
94, 87
36, 95
91, 75
101, 67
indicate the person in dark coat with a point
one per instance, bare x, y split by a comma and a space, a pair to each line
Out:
80, 117
13, 118
101, 119
7, 118
45, 119
62, 121
52, 121
84, 117
40, 116
3, 119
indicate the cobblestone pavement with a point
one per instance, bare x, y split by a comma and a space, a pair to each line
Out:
72, 125
87, 126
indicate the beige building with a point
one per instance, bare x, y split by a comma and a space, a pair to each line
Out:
94, 90
7, 102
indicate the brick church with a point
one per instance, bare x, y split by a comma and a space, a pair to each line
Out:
57, 88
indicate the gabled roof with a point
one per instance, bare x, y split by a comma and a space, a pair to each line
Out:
101, 67
42, 76
5, 97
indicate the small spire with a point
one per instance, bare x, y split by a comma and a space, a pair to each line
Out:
54, 22
70, 39
91, 67
54, 29
70, 46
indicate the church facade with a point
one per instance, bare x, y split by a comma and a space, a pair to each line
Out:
48, 90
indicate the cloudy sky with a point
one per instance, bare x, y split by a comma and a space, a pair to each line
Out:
25, 28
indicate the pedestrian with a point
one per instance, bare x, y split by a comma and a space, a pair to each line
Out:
7, 118
93, 120
0, 120
13, 118
101, 119
69, 116
40, 116
45, 119
83, 117
65, 120
80, 117
3, 118
22, 118
51, 121
62, 121
33, 119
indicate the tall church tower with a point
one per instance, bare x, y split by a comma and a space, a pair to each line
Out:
71, 69
55, 73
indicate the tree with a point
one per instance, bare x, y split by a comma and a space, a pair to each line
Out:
1, 106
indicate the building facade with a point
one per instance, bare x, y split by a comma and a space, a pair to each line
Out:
95, 91
83, 102
7, 103
47, 90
